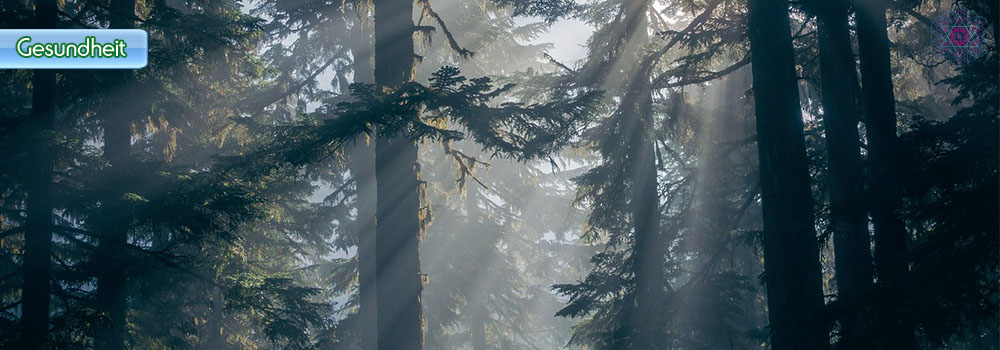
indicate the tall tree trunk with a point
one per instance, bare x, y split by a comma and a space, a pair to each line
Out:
791, 255
649, 247
648, 250
880, 113
478, 314
397, 229
34, 324
643, 327
848, 214
362, 163
111, 279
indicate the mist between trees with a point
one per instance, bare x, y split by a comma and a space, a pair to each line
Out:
396, 174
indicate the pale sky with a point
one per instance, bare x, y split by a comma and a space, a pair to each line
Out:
569, 37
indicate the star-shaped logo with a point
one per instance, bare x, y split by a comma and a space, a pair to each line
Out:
961, 35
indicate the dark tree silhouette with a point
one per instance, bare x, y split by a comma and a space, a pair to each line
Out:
791, 257
119, 109
38, 185
880, 123
848, 206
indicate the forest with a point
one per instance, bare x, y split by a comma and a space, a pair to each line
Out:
506, 174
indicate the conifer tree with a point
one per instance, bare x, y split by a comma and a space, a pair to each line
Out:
880, 125
791, 258
362, 167
112, 289
397, 176
848, 207
38, 184
683, 173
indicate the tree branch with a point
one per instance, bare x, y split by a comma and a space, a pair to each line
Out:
426, 5
706, 77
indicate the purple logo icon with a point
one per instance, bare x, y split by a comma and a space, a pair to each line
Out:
962, 35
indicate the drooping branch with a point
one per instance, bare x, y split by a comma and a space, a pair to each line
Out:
428, 11
466, 166
510, 130
553, 60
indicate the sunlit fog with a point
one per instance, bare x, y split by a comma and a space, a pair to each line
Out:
499, 174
